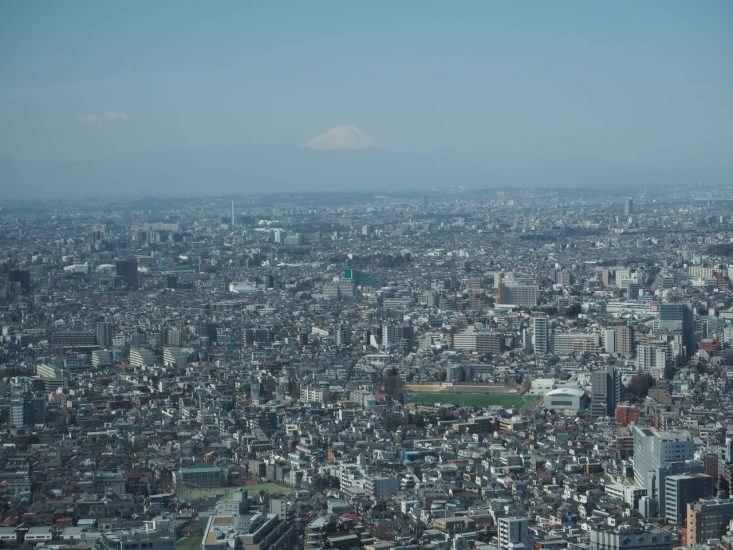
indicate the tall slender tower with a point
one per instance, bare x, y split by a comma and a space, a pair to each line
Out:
540, 334
605, 392
233, 213
628, 206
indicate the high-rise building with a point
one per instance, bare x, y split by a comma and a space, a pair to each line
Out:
22, 277
678, 317
707, 519
35, 409
17, 412
393, 334
624, 340
606, 277
518, 294
605, 392
618, 339
540, 334
653, 358
126, 269
498, 278
140, 357
53, 376
682, 489
513, 533
490, 342
339, 289
104, 334
171, 282
176, 357
654, 452
208, 330
628, 206
465, 341
633, 289
343, 335
609, 340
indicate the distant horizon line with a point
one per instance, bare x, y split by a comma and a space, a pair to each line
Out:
415, 194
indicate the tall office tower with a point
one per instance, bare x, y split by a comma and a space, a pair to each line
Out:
171, 281
540, 334
682, 489
678, 317
628, 206
22, 277
27, 409
513, 533
126, 269
233, 219
654, 453
104, 334
343, 335
35, 409
605, 392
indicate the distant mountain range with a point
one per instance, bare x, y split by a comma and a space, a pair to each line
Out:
262, 169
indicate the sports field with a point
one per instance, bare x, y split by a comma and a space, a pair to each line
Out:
189, 543
206, 492
466, 399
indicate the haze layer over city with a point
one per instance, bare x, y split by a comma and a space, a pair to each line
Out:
366, 276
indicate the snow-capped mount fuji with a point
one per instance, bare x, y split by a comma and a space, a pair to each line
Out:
342, 137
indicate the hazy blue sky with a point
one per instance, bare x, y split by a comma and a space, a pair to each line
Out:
634, 82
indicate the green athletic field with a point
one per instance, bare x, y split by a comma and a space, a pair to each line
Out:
189, 543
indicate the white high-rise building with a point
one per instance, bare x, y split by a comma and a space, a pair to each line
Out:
513, 533
540, 334
609, 340
17, 412
653, 358
654, 452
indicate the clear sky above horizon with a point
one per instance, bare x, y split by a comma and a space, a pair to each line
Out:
638, 82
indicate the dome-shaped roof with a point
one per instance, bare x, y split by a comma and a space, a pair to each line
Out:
572, 392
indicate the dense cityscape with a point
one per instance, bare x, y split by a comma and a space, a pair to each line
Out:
517, 369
